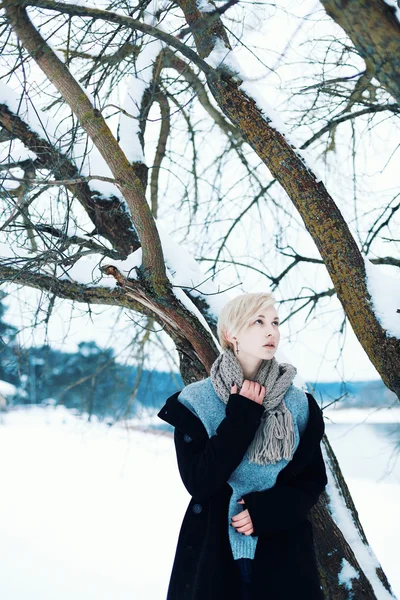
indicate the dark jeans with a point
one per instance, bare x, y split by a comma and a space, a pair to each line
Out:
245, 566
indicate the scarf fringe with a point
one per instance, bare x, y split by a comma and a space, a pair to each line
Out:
280, 433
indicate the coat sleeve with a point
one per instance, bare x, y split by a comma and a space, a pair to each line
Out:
285, 505
205, 467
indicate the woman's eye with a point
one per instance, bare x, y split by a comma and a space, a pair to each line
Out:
258, 321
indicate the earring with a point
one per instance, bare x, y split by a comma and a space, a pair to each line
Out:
237, 347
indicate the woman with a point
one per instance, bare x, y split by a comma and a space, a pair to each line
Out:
248, 449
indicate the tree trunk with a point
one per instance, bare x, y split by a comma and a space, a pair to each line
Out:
374, 30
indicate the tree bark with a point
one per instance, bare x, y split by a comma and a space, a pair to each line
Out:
374, 30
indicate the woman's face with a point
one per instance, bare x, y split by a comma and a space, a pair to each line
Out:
260, 339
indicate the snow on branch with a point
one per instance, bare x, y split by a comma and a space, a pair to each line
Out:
385, 294
129, 127
396, 7
223, 59
345, 522
85, 156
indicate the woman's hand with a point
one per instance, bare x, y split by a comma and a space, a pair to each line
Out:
251, 390
242, 522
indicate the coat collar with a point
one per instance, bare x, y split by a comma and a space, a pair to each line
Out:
178, 415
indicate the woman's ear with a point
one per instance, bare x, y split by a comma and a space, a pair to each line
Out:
228, 337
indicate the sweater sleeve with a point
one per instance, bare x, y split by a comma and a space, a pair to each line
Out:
285, 505
205, 467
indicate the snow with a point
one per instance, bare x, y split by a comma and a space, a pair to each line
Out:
185, 271
86, 270
138, 83
205, 6
10, 251
347, 573
90, 511
365, 554
80, 518
385, 294
23, 108
7, 389
86, 156
394, 4
129, 125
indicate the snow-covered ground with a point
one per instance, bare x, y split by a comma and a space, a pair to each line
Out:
92, 512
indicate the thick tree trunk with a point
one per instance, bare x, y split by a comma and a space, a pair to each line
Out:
374, 30
334, 551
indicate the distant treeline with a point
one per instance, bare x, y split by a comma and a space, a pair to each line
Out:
92, 381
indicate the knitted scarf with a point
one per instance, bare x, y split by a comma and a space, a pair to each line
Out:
275, 437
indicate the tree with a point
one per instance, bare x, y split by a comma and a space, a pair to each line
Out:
7, 347
99, 49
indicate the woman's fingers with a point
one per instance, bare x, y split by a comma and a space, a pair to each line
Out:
243, 523
247, 529
251, 390
241, 518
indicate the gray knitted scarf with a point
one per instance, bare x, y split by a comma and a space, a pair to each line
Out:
275, 437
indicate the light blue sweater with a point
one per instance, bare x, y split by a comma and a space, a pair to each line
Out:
201, 398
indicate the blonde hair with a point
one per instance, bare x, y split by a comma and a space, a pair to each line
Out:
236, 314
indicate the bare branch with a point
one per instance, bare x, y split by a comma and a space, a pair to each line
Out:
393, 107
160, 152
93, 122
95, 13
376, 36
119, 230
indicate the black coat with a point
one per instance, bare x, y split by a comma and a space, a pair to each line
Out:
284, 563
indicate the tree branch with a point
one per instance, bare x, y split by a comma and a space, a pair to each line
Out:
393, 107
376, 36
171, 60
97, 14
153, 266
160, 151
119, 229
